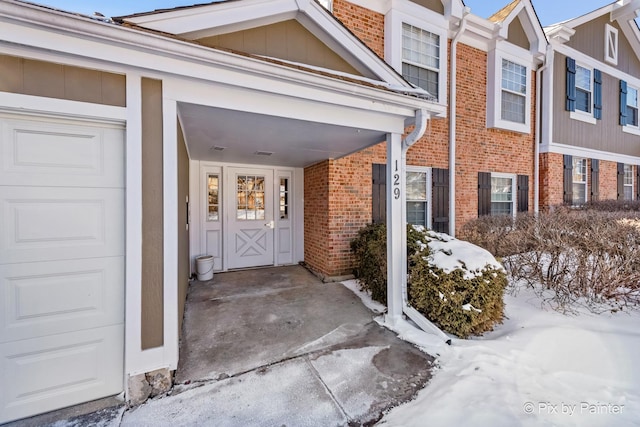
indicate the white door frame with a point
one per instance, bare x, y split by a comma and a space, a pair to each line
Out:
288, 232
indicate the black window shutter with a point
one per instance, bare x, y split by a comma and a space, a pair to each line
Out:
597, 94
623, 103
523, 193
568, 179
637, 182
620, 181
571, 84
484, 193
379, 193
595, 180
440, 200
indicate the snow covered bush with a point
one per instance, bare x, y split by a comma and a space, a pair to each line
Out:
591, 256
457, 285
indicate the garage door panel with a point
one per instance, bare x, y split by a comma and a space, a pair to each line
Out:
40, 299
60, 223
61, 154
47, 373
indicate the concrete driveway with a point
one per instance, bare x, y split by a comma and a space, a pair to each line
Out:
277, 347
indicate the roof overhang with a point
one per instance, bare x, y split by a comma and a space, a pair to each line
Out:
231, 16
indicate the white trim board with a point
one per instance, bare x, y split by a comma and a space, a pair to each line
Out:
588, 153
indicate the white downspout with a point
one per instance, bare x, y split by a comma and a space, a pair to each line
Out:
536, 160
452, 123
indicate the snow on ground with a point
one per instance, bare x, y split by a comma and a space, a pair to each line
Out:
539, 368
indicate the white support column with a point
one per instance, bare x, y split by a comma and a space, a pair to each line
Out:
170, 177
395, 225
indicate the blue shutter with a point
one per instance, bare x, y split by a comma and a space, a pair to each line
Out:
571, 84
623, 103
597, 94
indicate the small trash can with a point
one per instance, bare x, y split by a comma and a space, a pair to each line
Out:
204, 267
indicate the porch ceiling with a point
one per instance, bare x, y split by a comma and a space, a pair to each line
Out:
223, 135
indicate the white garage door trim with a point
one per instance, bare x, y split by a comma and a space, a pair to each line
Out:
62, 218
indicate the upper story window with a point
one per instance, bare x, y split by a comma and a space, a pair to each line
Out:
514, 92
632, 106
584, 92
583, 89
509, 90
421, 58
328, 4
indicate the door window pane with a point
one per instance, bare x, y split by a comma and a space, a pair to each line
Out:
417, 198
213, 194
579, 181
284, 198
250, 197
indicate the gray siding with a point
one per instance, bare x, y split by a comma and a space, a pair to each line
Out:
589, 39
517, 36
607, 134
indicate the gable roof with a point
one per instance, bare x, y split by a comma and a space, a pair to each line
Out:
623, 12
227, 16
529, 20
503, 13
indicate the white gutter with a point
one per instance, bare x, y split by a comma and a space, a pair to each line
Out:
536, 160
422, 116
452, 123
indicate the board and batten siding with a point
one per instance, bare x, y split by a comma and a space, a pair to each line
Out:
607, 134
51, 80
152, 307
589, 39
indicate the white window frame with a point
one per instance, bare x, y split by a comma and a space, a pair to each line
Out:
585, 182
628, 127
425, 19
428, 172
611, 44
518, 94
585, 116
628, 168
518, 56
514, 190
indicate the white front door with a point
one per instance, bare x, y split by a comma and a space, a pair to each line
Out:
61, 263
250, 213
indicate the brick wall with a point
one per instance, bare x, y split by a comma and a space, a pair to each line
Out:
346, 182
366, 24
551, 180
608, 180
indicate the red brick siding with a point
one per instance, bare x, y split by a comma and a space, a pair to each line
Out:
608, 180
346, 183
366, 24
551, 180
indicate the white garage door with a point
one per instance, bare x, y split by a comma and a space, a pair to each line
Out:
61, 263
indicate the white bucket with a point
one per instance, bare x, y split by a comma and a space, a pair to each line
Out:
204, 267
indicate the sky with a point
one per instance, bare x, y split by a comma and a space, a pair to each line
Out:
549, 11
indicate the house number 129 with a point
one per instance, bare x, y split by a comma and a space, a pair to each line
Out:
396, 183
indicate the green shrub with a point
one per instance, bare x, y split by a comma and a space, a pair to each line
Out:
482, 290
458, 305
370, 250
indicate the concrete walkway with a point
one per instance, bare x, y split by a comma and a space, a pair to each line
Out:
277, 347
273, 347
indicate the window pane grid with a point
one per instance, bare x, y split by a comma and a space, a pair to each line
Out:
420, 46
213, 202
632, 106
284, 198
513, 107
514, 77
501, 196
583, 89
417, 213
579, 181
421, 77
250, 197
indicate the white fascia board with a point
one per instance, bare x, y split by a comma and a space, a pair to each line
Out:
573, 23
193, 19
590, 153
159, 55
594, 63
632, 34
479, 33
627, 12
